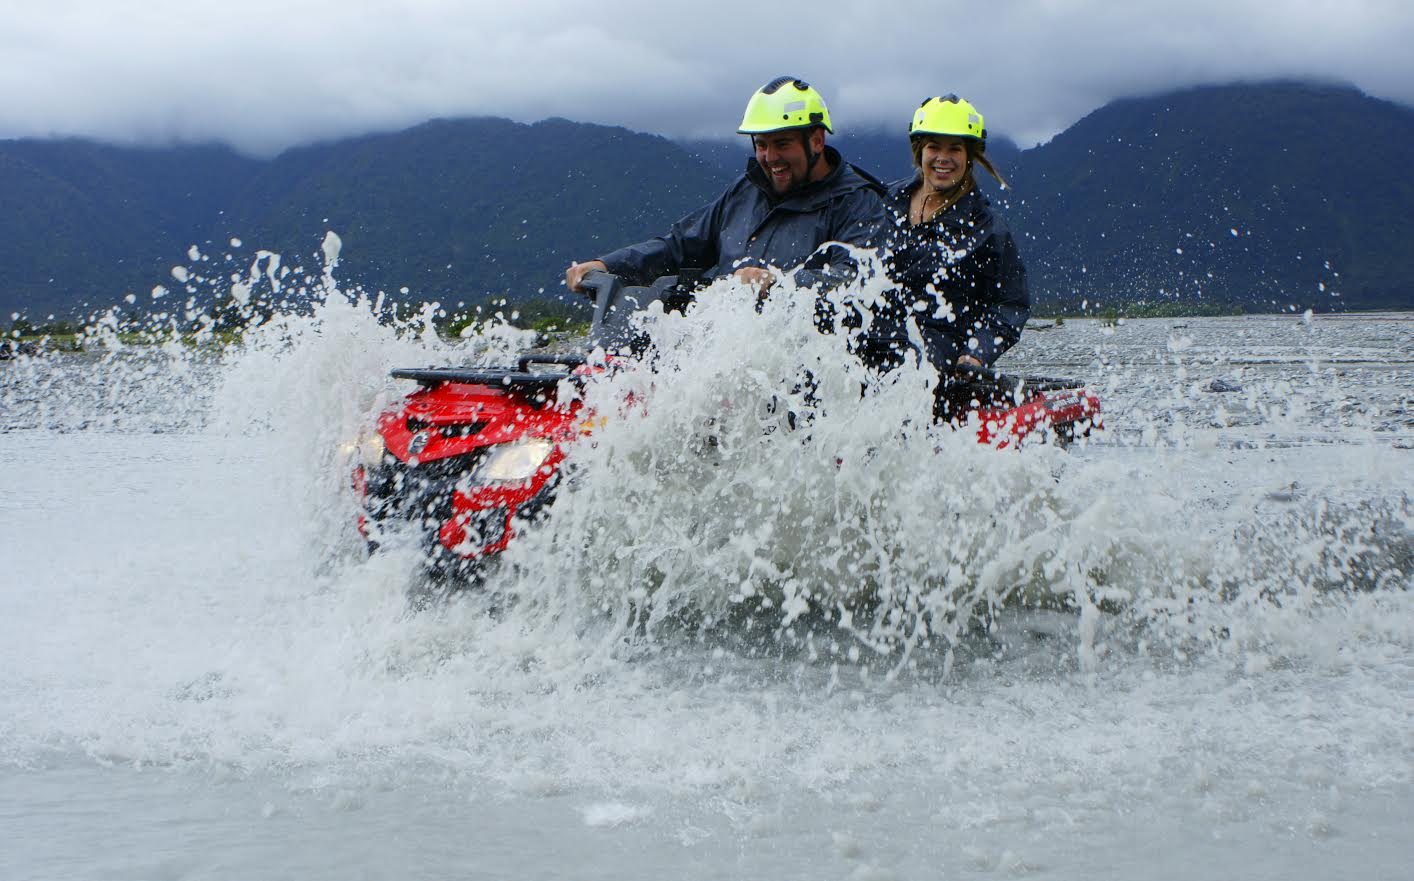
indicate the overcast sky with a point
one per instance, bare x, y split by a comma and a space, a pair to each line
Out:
267, 74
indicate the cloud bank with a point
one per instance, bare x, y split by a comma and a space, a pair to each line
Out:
264, 75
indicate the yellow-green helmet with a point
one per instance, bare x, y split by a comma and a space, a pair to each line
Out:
949, 116
784, 103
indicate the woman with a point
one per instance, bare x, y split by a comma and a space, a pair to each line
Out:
955, 262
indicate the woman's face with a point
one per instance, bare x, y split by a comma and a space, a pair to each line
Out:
944, 161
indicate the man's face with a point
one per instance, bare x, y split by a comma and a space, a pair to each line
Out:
782, 156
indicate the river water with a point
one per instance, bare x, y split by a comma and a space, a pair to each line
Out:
1186, 646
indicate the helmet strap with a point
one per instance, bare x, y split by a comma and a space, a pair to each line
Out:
811, 157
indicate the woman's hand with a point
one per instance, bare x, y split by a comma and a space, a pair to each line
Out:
758, 277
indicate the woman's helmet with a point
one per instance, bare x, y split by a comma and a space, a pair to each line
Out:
949, 116
782, 104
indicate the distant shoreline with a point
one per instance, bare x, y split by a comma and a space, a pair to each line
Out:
73, 342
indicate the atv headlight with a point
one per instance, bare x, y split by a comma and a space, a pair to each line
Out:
367, 450
514, 461
371, 449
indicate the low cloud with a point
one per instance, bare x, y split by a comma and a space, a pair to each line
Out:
265, 75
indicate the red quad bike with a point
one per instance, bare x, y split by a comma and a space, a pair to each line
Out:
473, 456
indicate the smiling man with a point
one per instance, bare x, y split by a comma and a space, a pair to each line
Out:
796, 196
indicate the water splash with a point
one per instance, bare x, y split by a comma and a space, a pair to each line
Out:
730, 608
763, 481
764, 487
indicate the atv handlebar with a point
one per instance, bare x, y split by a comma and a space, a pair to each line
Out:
524, 361
972, 371
601, 287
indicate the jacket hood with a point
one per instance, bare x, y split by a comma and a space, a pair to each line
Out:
900, 191
973, 204
843, 178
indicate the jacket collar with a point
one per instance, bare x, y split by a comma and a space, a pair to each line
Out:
901, 191
842, 178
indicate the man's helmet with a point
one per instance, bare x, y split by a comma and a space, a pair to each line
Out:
949, 116
784, 103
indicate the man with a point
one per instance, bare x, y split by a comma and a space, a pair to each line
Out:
796, 195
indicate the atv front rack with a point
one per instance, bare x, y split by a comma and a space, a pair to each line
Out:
521, 376
613, 304
965, 388
1005, 382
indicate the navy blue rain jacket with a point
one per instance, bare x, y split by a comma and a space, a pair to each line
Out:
749, 225
970, 259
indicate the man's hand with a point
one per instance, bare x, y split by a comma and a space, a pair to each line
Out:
577, 271
758, 277
968, 361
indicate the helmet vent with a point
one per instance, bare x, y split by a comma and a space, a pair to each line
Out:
774, 85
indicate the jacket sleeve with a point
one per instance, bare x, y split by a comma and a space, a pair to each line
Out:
1008, 303
691, 242
858, 219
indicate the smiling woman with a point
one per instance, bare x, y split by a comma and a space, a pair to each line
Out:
960, 277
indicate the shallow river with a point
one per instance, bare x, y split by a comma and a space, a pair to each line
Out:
201, 677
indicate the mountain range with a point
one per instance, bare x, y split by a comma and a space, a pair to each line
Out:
1259, 196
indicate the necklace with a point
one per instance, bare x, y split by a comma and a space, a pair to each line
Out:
923, 206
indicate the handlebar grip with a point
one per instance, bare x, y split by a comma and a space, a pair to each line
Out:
603, 288
968, 373
593, 280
